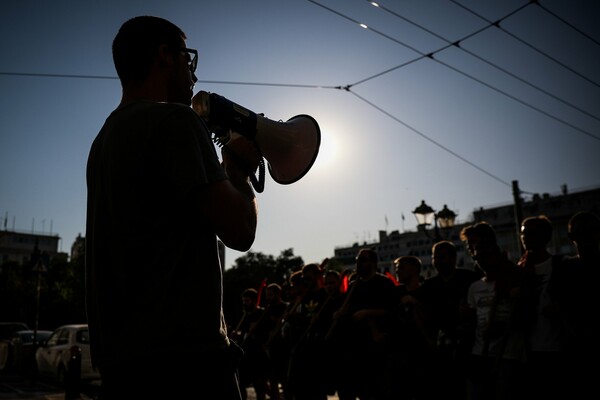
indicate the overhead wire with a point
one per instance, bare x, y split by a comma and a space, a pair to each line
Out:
528, 44
438, 144
291, 85
430, 55
421, 56
570, 25
457, 44
43, 75
372, 104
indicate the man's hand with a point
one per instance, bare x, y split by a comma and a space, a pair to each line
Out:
241, 157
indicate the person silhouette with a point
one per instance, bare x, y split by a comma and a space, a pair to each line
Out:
277, 354
445, 301
497, 304
305, 373
409, 362
363, 323
544, 356
251, 334
573, 286
158, 198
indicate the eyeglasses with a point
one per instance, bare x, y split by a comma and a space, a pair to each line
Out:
193, 58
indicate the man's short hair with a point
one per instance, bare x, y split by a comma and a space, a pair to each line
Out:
250, 293
137, 43
312, 267
368, 253
482, 230
296, 278
584, 225
412, 261
274, 288
542, 224
448, 246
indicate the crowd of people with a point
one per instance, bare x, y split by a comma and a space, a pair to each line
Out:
507, 329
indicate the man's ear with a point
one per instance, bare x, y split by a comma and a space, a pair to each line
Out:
164, 56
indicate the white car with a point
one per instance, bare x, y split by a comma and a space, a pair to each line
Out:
67, 343
21, 350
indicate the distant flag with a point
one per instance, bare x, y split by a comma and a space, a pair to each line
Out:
402, 216
260, 290
345, 283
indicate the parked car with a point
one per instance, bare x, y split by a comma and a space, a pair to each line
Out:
66, 344
8, 328
21, 350
6, 331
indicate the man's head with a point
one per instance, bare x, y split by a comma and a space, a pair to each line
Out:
312, 276
274, 292
584, 232
333, 282
146, 44
250, 299
296, 284
478, 235
536, 232
408, 269
443, 257
488, 258
366, 263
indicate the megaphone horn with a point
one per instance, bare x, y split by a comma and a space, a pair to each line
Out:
290, 148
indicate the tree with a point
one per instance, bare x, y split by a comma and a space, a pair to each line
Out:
286, 263
251, 270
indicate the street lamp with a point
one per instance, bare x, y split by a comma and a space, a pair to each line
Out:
426, 215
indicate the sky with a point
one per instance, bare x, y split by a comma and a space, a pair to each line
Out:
404, 115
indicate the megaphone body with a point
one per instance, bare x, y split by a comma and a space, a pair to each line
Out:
290, 148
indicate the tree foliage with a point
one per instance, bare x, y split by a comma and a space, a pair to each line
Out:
62, 286
254, 270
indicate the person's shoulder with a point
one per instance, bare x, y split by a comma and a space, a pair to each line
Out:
569, 265
479, 284
155, 111
177, 110
434, 283
465, 274
156, 106
401, 290
436, 279
381, 276
383, 279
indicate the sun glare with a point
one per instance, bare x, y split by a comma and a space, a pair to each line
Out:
327, 151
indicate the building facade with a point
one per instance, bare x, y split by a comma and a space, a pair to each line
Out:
558, 208
19, 247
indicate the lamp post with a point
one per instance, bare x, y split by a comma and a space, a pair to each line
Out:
443, 219
39, 269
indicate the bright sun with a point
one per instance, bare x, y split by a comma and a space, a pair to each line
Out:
327, 151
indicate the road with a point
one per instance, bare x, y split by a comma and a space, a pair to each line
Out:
16, 387
21, 388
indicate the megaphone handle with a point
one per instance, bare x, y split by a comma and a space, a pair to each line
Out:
259, 183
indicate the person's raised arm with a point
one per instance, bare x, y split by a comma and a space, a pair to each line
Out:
230, 205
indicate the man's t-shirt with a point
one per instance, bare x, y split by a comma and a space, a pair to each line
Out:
153, 277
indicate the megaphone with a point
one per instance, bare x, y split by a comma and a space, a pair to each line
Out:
290, 147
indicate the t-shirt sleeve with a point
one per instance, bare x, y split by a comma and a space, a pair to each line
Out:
188, 152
